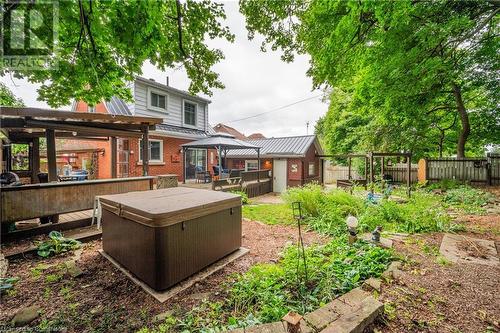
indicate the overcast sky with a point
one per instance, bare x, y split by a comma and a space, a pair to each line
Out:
255, 82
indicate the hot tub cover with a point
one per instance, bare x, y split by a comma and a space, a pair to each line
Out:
159, 208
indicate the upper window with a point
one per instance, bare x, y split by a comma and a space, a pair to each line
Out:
190, 113
157, 100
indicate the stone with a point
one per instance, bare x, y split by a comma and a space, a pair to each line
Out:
450, 250
4, 265
320, 318
200, 296
73, 269
384, 242
277, 327
357, 320
373, 284
161, 317
26, 316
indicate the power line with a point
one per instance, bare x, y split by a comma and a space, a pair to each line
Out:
273, 110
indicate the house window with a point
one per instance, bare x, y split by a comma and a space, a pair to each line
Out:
251, 165
155, 150
312, 170
157, 100
190, 113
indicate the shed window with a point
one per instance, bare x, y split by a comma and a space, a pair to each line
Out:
312, 170
190, 113
155, 150
251, 165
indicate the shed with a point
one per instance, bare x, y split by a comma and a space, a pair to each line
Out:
294, 160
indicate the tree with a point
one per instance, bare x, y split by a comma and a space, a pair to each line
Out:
7, 98
418, 72
102, 44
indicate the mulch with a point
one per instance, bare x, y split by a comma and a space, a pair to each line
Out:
103, 299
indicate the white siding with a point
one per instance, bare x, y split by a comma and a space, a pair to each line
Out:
174, 107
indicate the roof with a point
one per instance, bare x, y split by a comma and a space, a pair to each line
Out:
256, 136
117, 106
171, 129
222, 128
223, 141
171, 89
293, 146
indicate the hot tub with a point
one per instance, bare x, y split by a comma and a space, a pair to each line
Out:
164, 236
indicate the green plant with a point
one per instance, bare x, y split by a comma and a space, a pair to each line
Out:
444, 185
269, 213
56, 244
6, 284
244, 196
468, 199
53, 278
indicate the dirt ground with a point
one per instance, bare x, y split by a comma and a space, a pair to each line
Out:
104, 300
435, 295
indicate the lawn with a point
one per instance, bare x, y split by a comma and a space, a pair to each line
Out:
269, 213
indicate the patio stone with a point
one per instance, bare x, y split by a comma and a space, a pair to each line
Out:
26, 315
357, 320
450, 250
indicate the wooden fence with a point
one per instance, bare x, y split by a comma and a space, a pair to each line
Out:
253, 183
399, 172
474, 170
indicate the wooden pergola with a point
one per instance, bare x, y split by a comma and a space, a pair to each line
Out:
28, 125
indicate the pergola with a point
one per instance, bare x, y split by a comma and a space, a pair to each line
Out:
222, 143
27, 125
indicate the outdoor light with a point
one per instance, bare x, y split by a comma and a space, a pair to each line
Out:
352, 225
74, 133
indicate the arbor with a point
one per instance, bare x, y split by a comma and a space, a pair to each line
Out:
104, 43
417, 73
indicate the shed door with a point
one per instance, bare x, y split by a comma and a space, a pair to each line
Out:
279, 175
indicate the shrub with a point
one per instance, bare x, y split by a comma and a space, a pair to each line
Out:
467, 198
244, 196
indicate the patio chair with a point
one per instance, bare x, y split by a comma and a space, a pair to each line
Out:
97, 212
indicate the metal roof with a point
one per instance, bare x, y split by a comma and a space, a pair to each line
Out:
277, 147
223, 141
180, 130
117, 107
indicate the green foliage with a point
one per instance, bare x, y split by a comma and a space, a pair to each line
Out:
467, 198
268, 291
444, 185
405, 75
244, 196
7, 98
7, 283
269, 213
95, 61
56, 244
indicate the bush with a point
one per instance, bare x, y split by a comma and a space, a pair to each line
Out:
444, 185
56, 244
244, 196
467, 198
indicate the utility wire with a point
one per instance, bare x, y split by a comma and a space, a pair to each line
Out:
273, 110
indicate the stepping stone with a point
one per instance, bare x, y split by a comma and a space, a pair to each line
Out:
373, 284
26, 316
358, 320
277, 327
384, 242
73, 269
450, 249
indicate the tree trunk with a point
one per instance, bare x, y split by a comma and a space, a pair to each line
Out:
464, 120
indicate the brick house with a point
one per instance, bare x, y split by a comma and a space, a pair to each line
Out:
293, 161
185, 119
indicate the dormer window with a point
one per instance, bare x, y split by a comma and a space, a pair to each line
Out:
157, 100
190, 110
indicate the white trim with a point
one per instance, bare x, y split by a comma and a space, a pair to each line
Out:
251, 161
150, 160
195, 113
158, 92
309, 174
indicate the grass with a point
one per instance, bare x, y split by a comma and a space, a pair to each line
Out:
269, 213
268, 291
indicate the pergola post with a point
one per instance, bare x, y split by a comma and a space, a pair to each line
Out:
258, 164
372, 176
145, 150
408, 175
219, 153
51, 154
184, 165
114, 152
35, 160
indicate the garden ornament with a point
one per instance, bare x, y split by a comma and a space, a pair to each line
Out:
352, 225
292, 320
376, 234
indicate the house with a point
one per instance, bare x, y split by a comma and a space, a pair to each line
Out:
185, 119
256, 136
294, 160
224, 129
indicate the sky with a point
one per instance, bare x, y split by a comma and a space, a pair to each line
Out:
256, 82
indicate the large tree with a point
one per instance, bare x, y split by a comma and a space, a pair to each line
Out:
405, 74
102, 44
7, 97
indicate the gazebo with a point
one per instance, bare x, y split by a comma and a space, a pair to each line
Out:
222, 143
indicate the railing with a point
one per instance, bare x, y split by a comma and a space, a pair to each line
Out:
39, 200
253, 183
255, 175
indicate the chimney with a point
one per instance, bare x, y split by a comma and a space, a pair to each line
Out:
168, 83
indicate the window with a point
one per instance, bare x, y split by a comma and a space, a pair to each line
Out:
312, 170
157, 100
195, 161
190, 113
251, 165
155, 150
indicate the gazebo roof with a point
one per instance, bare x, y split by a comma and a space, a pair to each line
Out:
223, 141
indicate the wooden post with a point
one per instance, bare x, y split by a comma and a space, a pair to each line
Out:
51, 154
372, 176
184, 165
114, 152
382, 162
258, 163
366, 172
349, 168
35, 160
145, 150
408, 175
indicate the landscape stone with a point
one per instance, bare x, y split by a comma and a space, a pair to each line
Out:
26, 316
4, 265
200, 296
73, 269
161, 317
357, 320
373, 284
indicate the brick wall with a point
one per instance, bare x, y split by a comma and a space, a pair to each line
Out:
83, 107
